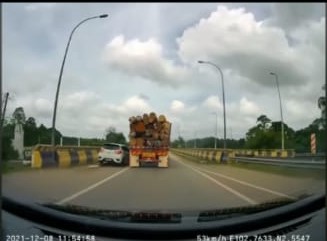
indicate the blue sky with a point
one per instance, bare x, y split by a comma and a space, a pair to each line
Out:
143, 58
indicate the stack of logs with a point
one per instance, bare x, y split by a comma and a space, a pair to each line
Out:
149, 130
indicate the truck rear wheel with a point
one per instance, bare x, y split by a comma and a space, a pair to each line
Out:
125, 161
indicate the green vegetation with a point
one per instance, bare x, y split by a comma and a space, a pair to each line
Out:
115, 137
8, 151
266, 134
207, 142
11, 166
318, 174
34, 135
111, 135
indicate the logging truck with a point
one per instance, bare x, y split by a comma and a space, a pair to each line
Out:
149, 140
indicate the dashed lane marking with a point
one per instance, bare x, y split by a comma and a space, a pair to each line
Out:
85, 190
231, 190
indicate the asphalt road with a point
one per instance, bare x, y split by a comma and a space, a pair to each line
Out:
184, 185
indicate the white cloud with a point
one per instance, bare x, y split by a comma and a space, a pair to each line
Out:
80, 98
300, 112
213, 103
249, 108
143, 59
233, 39
39, 6
246, 49
310, 40
290, 16
43, 107
227, 31
96, 114
135, 105
177, 106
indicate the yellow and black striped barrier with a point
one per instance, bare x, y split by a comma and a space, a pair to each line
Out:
214, 155
63, 156
66, 156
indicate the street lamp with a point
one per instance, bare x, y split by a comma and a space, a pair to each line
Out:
216, 130
223, 88
281, 110
60, 75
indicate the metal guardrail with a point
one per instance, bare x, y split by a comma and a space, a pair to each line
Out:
279, 162
319, 154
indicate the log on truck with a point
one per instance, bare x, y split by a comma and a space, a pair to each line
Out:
149, 140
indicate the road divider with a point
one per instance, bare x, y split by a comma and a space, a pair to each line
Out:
266, 157
214, 155
64, 157
211, 155
44, 156
82, 157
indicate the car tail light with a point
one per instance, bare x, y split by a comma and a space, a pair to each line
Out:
118, 152
101, 149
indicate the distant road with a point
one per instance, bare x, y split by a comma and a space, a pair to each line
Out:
183, 185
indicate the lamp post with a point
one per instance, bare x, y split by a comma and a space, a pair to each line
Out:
281, 110
223, 89
60, 75
3, 114
216, 130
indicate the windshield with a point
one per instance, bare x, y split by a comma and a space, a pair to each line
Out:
205, 106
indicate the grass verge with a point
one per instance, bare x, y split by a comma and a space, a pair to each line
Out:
13, 166
319, 174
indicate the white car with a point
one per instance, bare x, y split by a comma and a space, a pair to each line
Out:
113, 153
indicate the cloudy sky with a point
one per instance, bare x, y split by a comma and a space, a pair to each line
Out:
143, 58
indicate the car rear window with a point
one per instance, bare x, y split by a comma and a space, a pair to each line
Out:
111, 147
125, 148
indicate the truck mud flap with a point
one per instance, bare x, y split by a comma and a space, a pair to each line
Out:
148, 164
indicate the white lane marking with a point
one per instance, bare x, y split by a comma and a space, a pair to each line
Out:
93, 166
240, 195
85, 190
249, 184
